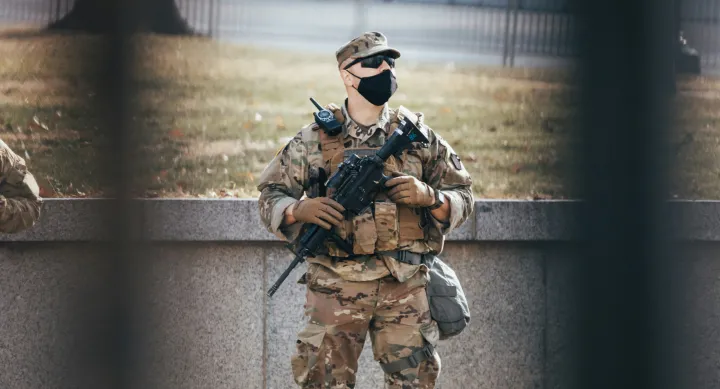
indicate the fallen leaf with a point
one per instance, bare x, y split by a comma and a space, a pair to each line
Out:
280, 123
445, 109
516, 168
176, 133
541, 196
44, 192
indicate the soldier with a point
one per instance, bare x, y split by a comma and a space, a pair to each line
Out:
20, 200
379, 288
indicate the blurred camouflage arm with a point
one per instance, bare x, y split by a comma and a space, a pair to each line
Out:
18, 214
282, 183
443, 171
20, 201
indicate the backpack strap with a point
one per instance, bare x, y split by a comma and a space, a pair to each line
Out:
331, 145
411, 361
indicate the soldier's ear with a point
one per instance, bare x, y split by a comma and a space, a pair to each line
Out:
346, 77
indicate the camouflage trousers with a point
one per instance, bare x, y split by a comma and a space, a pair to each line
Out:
341, 313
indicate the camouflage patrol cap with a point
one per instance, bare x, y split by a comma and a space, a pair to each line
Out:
366, 45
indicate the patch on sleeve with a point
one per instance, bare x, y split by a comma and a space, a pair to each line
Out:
456, 161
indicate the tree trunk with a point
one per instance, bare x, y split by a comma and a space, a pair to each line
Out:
98, 16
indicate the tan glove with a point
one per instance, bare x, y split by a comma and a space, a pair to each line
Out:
322, 211
410, 191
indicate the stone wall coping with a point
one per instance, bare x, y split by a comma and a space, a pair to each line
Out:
193, 220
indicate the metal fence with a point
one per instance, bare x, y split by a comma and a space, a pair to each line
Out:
203, 15
509, 28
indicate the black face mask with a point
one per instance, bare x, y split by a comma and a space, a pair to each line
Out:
378, 88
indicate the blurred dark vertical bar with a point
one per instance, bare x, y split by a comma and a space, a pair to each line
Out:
116, 82
624, 280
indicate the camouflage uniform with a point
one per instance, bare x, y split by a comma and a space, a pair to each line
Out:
347, 296
20, 200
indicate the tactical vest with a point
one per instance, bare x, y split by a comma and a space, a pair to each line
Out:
385, 225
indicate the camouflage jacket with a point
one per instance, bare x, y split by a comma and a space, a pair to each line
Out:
289, 176
20, 200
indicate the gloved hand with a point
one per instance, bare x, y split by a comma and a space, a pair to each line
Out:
322, 211
410, 191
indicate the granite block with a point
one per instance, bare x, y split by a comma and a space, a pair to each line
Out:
284, 316
68, 220
54, 316
203, 220
695, 220
238, 220
561, 265
503, 346
508, 220
697, 282
202, 316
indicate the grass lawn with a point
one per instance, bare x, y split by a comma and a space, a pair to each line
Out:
211, 115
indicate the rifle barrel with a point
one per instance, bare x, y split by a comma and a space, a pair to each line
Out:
286, 273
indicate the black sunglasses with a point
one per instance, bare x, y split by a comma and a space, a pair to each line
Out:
373, 62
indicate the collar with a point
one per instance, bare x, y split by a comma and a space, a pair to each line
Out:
362, 133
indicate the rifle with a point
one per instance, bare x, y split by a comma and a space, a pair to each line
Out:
354, 185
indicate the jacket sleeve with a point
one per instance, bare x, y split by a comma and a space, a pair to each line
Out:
20, 201
282, 183
444, 171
